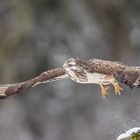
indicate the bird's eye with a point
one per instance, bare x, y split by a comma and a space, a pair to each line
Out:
70, 65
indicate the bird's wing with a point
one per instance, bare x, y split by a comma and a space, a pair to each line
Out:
47, 76
128, 75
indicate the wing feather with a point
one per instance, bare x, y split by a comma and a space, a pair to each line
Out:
128, 75
47, 76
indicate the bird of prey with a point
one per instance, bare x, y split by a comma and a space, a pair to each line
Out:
94, 71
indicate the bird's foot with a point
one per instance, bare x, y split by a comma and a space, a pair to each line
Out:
117, 88
104, 90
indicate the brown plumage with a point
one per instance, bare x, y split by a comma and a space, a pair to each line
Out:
47, 76
128, 75
92, 71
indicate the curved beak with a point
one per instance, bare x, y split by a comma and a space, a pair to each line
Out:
65, 65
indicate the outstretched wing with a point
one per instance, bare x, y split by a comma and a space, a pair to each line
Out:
128, 75
47, 76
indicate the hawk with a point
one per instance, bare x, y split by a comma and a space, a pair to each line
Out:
93, 71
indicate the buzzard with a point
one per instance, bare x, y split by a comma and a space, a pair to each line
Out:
94, 71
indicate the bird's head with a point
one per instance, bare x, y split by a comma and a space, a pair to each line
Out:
75, 68
73, 64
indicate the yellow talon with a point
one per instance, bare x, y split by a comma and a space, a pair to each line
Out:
117, 88
103, 90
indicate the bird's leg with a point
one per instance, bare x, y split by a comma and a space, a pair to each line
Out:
103, 90
117, 88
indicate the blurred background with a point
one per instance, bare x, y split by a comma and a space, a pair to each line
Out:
37, 35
